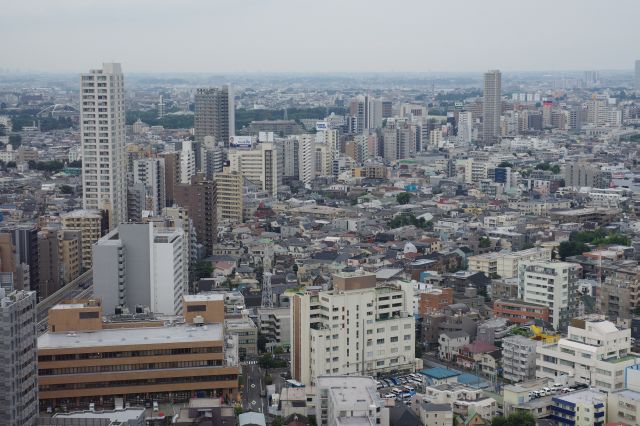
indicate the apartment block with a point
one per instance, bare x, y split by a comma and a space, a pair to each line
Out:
70, 253
518, 358
18, 358
595, 352
505, 264
551, 284
434, 300
229, 196
200, 199
90, 224
260, 165
275, 326
583, 408
136, 357
349, 399
140, 265
356, 328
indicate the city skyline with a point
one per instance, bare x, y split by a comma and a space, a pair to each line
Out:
143, 38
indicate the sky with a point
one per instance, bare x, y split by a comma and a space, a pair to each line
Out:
319, 36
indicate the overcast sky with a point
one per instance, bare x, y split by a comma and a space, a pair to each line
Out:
319, 35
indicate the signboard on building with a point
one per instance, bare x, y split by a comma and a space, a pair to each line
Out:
242, 142
321, 125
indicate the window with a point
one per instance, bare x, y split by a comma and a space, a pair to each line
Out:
380, 341
87, 315
196, 308
394, 339
407, 337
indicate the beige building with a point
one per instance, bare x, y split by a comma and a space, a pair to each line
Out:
505, 264
259, 165
89, 222
70, 248
230, 196
356, 328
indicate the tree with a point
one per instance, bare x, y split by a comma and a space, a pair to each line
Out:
262, 342
66, 189
519, 418
277, 421
268, 380
403, 198
571, 248
505, 164
202, 269
484, 242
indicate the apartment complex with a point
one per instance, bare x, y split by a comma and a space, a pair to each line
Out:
520, 312
134, 357
356, 328
491, 107
583, 408
102, 127
200, 199
275, 326
229, 187
550, 284
70, 253
214, 114
595, 352
260, 165
518, 358
150, 172
18, 362
344, 400
90, 224
138, 264
505, 264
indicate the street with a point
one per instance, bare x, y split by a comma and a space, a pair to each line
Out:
252, 387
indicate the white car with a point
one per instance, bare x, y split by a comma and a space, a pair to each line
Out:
390, 395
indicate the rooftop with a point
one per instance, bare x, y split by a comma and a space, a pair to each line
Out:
204, 297
131, 336
439, 373
586, 395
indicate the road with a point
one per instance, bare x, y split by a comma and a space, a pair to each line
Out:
80, 288
253, 383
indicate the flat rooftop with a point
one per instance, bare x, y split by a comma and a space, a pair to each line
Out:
121, 416
203, 297
131, 336
587, 395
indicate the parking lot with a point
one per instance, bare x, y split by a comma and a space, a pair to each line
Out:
401, 387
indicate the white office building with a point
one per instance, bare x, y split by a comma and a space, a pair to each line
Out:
102, 128
187, 162
18, 358
550, 284
595, 352
150, 172
138, 264
357, 328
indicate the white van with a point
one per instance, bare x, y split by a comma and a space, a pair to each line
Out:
396, 391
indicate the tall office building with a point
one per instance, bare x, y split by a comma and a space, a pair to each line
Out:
367, 329
139, 264
18, 358
260, 165
200, 199
491, 106
150, 173
215, 114
637, 75
102, 122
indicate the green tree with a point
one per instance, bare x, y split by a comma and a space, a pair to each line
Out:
505, 164
484, 242
519, 418
66, 189
403, 198
277, 421
262, 342
202, 269
571, 248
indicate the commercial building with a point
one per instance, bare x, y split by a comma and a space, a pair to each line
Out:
520, 312
24, 241
102, 127
550, 284
247, 333
18, 358
518, 358
595, 352
260, 165
133, 357
70, 253
139, 265
356, 328
215, 114
90, 224
354, 400
491, 107
229, 187
151, 173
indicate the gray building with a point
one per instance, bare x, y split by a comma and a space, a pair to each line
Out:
637, 75
18, 358
583, 174
491, 107
214, 114
275, 325
25, 240
139, 265
518, 358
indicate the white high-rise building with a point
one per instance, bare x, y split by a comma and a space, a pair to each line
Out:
138, 264
150, 172
306, 158
491, 107
357, 328
465, 126
102, 122
187, 162
551, 284
18, 358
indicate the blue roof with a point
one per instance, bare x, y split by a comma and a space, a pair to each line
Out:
439, 373
472, 380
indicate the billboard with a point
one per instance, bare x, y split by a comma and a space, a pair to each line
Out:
243, 142
321, 125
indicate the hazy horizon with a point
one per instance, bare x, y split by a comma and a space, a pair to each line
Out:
331, 37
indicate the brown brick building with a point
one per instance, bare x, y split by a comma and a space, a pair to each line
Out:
520, 312
434, 300
200, 199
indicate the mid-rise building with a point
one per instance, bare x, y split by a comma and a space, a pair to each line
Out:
260, 165
200, 199
214, 114
24, 239
18, 358
102, 128
491, 107
356, 328
520, 312
187, 162
587, 407
85, 360
49, 262
229, 187
505, 264
275, 326
139, 265
352, 399
150, 172
518, 358
551, 284
70, 253
90, 224
595, 352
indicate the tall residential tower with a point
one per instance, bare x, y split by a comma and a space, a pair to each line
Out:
491, 106
102, 122
215, 114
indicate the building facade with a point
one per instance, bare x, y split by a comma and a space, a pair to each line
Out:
214, 114
491, 107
